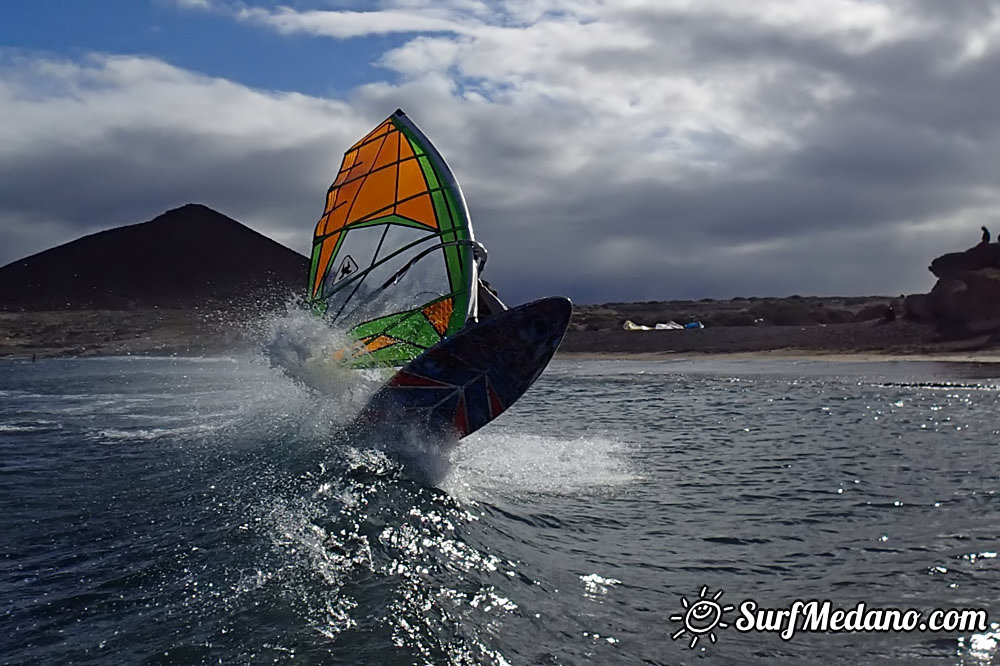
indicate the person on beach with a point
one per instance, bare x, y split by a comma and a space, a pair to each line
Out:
986, 236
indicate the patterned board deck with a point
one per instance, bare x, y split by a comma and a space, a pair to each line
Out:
469, 379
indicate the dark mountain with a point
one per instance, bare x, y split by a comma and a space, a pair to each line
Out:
191, 256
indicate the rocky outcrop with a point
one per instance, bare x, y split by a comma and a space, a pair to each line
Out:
966, 298
984, 255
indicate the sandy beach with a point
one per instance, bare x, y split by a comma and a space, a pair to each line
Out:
855, 342
792, 355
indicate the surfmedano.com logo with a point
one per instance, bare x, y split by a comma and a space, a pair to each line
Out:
706, 613
701, 617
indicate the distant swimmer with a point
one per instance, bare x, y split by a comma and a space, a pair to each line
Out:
986, 235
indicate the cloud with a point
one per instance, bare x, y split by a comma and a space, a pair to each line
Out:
724, 142
113, 139
193, 4
344, 24
202, 6
637, 149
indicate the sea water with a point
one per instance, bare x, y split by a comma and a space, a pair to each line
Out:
190, 511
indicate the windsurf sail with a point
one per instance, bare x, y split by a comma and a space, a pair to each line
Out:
394, 257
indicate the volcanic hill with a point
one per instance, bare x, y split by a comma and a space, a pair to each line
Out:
188, 257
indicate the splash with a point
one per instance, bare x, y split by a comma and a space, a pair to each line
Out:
302, 391
503, 462
306, 348
500, 462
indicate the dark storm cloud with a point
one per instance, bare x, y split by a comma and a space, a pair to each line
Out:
80, 191
909, 138
131, 175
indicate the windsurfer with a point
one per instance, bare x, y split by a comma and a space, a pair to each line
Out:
488, 301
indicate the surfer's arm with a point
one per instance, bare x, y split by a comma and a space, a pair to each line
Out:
487, 301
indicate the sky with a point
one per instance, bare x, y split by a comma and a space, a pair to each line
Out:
609, 150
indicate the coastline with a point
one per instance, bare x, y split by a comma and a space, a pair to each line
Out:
143, 332
855, 342
981, 357
183, 332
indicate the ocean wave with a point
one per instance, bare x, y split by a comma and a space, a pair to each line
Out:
30, 426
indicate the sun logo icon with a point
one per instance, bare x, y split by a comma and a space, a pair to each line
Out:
701, 617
